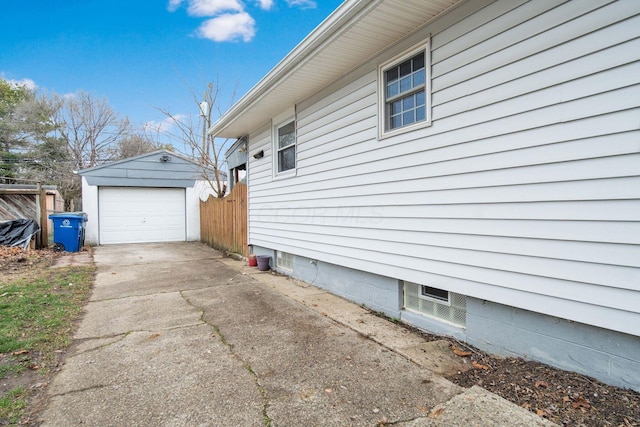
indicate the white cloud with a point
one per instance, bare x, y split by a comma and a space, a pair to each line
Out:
165, 126
174, 5
207, 7
265, 4
303, 4
27, 83
228, 27
228, 19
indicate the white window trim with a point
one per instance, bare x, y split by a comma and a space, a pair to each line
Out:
436, 300
382, 110
277, 122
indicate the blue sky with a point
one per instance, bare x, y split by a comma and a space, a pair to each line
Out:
145, 54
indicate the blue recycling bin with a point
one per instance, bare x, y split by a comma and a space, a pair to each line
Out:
68, 230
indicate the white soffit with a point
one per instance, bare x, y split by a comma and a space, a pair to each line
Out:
357, 31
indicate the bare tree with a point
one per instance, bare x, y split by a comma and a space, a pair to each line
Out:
91, 128
87, 134
205, 149
46, 138
135, 144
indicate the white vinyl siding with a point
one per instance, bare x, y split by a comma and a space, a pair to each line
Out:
525, 190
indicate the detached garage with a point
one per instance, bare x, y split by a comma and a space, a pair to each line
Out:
154, 197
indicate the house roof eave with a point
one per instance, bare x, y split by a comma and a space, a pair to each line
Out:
342, 36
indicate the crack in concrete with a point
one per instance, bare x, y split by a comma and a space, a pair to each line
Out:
80, 390
78, 341
402, 422
107, 266
268, 422
149, 294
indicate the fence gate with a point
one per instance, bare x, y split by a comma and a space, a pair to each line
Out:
223, 222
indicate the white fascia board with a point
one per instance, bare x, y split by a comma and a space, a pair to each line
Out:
329, 29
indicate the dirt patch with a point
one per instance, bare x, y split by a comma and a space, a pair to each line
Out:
15, 261
566, 398
35, 380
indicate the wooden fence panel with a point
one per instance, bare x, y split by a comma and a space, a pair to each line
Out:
18, 202
223, 222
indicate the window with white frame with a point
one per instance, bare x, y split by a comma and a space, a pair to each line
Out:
405, 92
285, 146
434, 302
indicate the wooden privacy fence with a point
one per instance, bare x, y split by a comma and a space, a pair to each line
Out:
26, 201
223, 222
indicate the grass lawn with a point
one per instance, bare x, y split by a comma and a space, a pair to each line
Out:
38, 308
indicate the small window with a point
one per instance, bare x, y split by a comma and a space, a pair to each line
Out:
437, 303
284, 260
405, 92
435, 294
285, 146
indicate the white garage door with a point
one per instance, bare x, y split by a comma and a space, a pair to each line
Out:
138, 215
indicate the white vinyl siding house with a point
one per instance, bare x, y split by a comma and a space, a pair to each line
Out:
522, 193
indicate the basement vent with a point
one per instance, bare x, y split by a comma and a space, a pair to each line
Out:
436, 303
284, 260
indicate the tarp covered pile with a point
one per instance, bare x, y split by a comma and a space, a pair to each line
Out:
18, 232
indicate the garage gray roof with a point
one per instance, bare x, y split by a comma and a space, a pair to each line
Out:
160, 168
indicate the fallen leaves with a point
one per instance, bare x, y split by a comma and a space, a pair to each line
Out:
465, 353
479, 365
436, 412
459, 352
11, 251
581, 403
562, 397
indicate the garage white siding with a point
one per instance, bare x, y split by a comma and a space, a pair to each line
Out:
139, 215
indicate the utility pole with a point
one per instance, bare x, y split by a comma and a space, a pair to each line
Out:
204, 109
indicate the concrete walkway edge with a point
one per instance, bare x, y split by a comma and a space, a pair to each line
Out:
177, 334
474, 407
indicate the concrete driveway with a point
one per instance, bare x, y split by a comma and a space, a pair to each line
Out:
177, 335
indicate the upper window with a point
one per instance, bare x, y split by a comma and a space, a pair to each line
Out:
285, 146
405, 92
